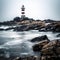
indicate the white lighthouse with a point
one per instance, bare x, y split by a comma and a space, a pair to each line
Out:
22, 12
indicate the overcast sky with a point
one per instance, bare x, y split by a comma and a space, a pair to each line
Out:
37, 9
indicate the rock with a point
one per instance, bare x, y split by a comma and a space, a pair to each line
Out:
58, 35
1, 29
38, 47
52, 48
52, 43
56, 26
40, 38
47, 51
27, 27
53, 26
43, 58
21, 28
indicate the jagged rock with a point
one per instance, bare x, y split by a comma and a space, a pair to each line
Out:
52, 43
21, 28
27, 27
40, 38
38, 47
53, 26
51, 48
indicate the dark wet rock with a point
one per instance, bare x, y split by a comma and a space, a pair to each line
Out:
8, 23
58, 35
38, 46
17, 19
1, 29
26, 27
56, 28
40, 38
21, 28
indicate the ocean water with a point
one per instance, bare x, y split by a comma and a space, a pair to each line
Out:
14, 43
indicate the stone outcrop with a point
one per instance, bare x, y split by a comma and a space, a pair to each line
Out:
54, 27
51, 50
51, 47
40, 38
48, 49
27, 27
38, 47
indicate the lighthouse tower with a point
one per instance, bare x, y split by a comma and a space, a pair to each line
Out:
22, 12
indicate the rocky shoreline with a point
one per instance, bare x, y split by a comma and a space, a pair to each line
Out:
26, 25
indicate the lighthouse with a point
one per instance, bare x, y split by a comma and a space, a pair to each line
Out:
22, 12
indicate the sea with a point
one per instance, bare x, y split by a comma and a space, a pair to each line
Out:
13, 43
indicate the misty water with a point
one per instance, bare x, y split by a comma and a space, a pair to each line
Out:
14, 43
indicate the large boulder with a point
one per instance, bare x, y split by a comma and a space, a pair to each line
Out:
52, 47
52, 43
40, 38
38, 46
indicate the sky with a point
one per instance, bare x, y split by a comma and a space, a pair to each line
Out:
36, 9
